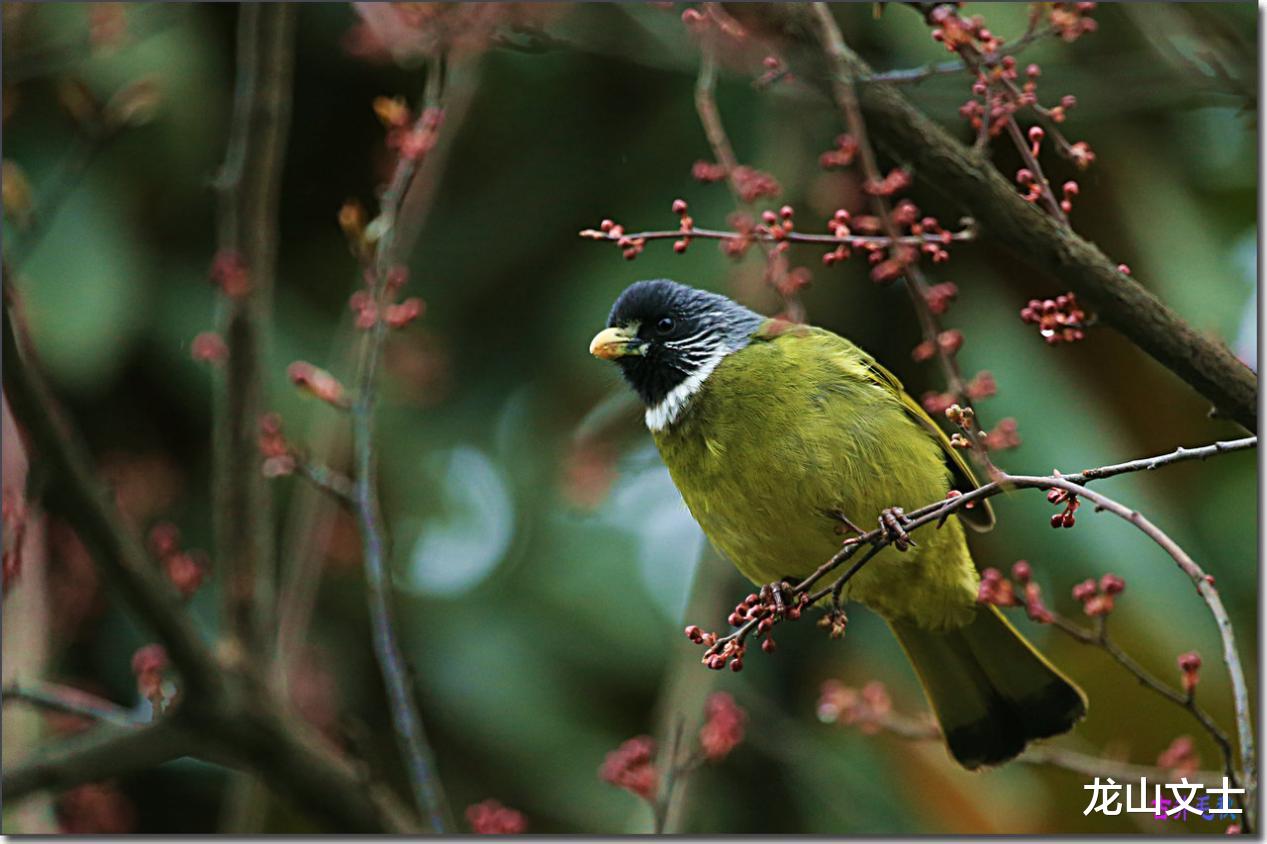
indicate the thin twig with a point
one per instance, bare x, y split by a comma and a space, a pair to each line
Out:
324, 478
1031, 161
915, 75
248, 186
917, 286
1100, 639
938, 512
724, 154
763, 234
921, 729
410, 735
1205, 586
68, 700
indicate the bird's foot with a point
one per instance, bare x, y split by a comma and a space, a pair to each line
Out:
844, 525
780, 599
893, 523
776, 593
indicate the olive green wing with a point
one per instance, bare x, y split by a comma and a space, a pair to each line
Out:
980, 517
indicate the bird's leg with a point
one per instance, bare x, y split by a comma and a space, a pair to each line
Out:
893, 525
845, 526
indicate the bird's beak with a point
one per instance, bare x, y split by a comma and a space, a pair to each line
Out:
613, 343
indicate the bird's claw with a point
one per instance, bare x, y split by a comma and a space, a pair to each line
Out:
777, 593
844, 526
893, 525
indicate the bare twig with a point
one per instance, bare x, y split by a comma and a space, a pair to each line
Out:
248, 186
404, 708
68, 701
323, 477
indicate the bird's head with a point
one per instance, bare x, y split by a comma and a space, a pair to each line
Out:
667, 339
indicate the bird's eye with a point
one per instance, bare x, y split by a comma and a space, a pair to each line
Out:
664, 326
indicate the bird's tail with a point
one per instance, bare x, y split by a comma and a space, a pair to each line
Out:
991, 690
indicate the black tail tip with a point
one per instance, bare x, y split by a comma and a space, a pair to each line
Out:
1009, 726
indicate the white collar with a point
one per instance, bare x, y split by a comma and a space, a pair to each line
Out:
671, 406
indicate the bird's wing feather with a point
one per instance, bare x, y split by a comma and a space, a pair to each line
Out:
980, 517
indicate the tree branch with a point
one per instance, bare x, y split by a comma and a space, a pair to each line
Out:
1100, 639
731, 644
404, 708
248, 186
109, 751
919, 729
90, 508
1030, 234
68, 701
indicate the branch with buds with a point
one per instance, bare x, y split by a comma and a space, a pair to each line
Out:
223, 710
759, 613
638, 767
870, 710
1098, 601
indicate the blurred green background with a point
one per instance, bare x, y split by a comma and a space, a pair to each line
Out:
544, 566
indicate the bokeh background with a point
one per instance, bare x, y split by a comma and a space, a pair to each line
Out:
544, 562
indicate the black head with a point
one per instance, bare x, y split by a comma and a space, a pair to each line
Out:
664, 335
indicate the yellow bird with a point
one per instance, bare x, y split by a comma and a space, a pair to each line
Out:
772, 434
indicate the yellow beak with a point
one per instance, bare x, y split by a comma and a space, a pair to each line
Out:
612, 343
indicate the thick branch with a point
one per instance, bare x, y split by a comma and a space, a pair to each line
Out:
248, 186
108, 752
295, 762
90, 508
1030, 234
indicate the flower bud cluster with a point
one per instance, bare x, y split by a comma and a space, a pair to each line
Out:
279, 457
186, 569
867, 708
1065, 518
492, 818
1180, 759
229, 273
148, 664
1001, 592
1059, 320
723, 728
1099, 599
764, 609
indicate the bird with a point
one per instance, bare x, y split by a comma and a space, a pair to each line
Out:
775, 433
